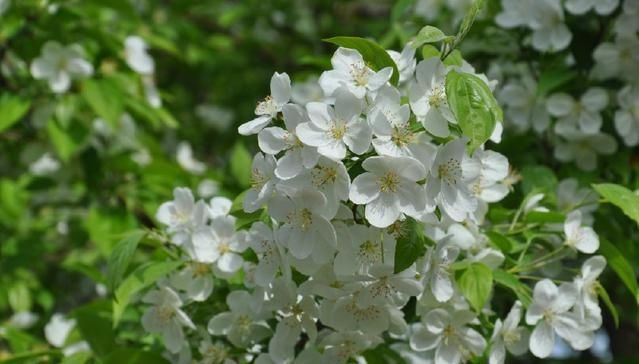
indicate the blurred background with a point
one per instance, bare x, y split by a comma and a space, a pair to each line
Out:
79, 168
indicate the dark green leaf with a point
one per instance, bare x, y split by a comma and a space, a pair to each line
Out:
65, 141
134, 356
545, 217
374, 55
500, 241
619, 264
382, 354
410, 246
475, 283
540, 178
552, 79
121, 257
94, 322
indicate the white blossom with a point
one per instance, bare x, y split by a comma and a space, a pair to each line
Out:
60, 64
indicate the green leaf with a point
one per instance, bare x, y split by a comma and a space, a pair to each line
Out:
241, 162
475, 283
410, 246
382, 354
374, 55
427, 34
65, 141
12, 109
20, 297
454, 58
545, 217
105, 98
601, 291
134, 356
539, 178
621, 197
619, 264
144, 276
121, 257
553, 78
468, 21
77, 358
500, 241
429, 51
523, 292
30, 357
94, 322
474, 106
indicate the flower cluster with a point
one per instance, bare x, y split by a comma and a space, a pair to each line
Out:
363, 207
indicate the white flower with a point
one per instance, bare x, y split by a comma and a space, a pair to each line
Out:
405, 62
274, 140
524, 108
57, 329
549, 312
365, 247
307, 91
349, 315
220, 244
571, 197
437, 273
184, 157
196, 280
449, 335
583, 148
305, 228
619, 59
350, 71
626, 23
332, 129
450, 179
327, 176
582, 238
341, 346
137, 56
393, 134
242, 325
428, 97
165, 317
488, 187
586, 112
182, 215
44, 165
214, 353
627, 117
219, 206
389, 188
602, 7
262, 241
385, 286
23, 320
268, 109
298, 312
475, 245
508, 335
263, 182
60, 64
587, 305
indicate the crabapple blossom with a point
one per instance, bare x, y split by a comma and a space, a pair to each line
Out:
165, 316
268, 108
586, 112
350, 71
582, 238
428, 97
60, 64
509, 335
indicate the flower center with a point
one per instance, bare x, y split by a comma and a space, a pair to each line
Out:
401, 136
370, 252
224, 248
337, 131
437, 96
266, 107
359, 74
450, 171
258, 179
322, 175
389, 182
306, 219
200, 269
166, 313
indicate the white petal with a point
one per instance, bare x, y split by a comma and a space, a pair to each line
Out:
382, 211
560, 104
254, 126
542, 340
364, 189
280, 88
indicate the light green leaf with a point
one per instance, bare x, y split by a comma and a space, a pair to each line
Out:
621, 197
12, 109
32, 357
540, 178
601, 291
504, 243
427, 34
144, 276
475, 283
94, 322
241, 162
105, 98
77, 358
468, 21
523, 292
374, 55
619, 264
121, 257
474, 106
429, 51
410, 246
